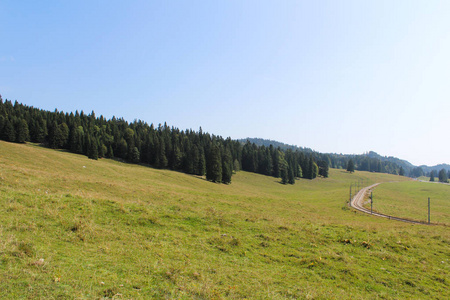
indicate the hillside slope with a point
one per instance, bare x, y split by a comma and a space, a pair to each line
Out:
78, 228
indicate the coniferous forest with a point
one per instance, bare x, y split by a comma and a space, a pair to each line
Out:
164, 147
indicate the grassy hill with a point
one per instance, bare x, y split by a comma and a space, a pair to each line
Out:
77, 228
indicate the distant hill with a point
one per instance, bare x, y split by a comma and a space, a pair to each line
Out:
267, 143
406, 165
401, 162
436, 168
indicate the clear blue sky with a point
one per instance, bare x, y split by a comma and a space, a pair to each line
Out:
335, 76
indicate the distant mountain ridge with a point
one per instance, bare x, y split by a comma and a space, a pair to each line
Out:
276, 144
407, 166
435, 168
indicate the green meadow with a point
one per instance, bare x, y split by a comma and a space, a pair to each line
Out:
410, 200
74, 228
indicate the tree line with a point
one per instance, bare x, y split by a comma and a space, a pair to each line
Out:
365, 163
163, 147
443, 176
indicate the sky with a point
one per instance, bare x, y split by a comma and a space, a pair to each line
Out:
335, 76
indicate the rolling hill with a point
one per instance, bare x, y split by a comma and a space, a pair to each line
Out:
73, 227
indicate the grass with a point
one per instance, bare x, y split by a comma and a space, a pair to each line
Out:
425, 178
410, 200
77, 228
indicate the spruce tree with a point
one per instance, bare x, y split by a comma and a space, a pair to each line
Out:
214, 165
9, 134
314, 169
64, 137
122, 148
79, 140
268, 164
55, 136
350, 166
2, 124
299, 171
93, 148
227, 167
22, 131
276, 164
323, 168
284, 176
135, 155
161, 159
443, 176
307, 170
176, 158
432, 176
282, 164
102, 149
291, 178
190, 160
236, 166
201, 169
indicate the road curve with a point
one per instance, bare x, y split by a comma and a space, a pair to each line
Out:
357, 202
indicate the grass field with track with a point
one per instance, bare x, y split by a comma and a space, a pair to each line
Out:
76, 228
410, 200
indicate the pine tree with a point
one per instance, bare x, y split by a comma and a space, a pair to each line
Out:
2, 124
93, 148
135, 155
284, 176
268, 164
41, 130
190, 160
55, 136
176, 158
102, 150
323, 168
122, 148
9, 134
227, 167
201, 169
22, 131
443, 176
276, 164
161, 159
299, 171
350, 166
64, 137
432, 176
307, 170
401, 172
236, 166
315, 169
291, 178
214, 165
282, 164
78, 140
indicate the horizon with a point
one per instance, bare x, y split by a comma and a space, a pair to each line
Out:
333, 77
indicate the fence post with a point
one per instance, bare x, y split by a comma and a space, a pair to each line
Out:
371, 202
